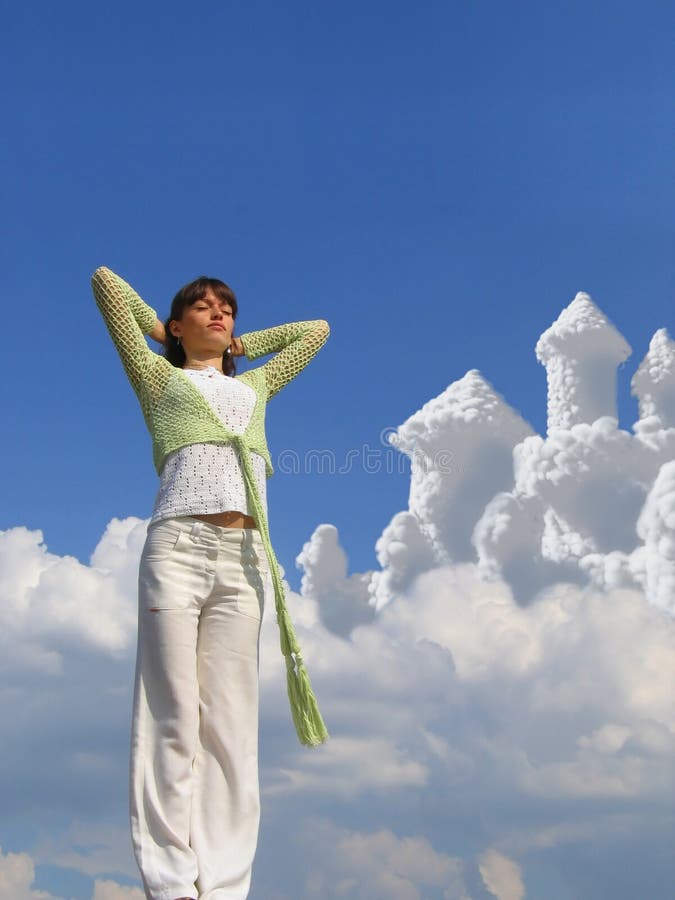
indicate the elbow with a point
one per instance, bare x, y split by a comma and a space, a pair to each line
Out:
319, 330
324, 327
99, 274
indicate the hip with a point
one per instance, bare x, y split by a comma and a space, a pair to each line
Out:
190, 535
187, 563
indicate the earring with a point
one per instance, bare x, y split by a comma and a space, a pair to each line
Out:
178, 341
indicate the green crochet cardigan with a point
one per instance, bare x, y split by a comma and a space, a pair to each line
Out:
176, 413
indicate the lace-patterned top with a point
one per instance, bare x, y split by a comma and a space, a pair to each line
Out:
178, 415
208, 478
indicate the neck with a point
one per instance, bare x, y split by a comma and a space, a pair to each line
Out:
203, 361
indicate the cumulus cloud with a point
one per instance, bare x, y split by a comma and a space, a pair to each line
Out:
654, 383
498, 693
502, 876
343, 600
552, 684
350, 765
17, 874
53, 605
656, 528
581, 351
465, 716
67, 642
89, 847
460, 445
403, 551
586, 503
363, 865
110, 890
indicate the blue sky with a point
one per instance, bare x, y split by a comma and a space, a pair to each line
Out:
437, 180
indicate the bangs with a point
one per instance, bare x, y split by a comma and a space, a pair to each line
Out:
197, 289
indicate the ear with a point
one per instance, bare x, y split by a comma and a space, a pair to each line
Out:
174, 328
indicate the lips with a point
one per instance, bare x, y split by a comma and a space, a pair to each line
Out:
216, 325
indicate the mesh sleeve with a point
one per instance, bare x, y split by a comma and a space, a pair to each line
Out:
128, 318
295, 344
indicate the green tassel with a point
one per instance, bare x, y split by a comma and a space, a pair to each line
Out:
309, 724
307, 719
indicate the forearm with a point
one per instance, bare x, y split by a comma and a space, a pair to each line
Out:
127, 318
295, 344
271, 340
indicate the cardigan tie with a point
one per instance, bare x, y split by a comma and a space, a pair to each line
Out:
309, 724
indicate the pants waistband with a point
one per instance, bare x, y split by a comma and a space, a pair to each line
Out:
198, 529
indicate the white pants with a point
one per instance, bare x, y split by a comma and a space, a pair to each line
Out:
194, 795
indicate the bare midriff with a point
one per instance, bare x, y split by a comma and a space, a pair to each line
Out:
229, 519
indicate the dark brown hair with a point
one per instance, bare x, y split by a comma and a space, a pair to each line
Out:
186, 296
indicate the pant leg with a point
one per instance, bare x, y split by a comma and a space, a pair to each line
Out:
226, 799
165, 725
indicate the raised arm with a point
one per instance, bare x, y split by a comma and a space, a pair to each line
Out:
295, 344
128, 319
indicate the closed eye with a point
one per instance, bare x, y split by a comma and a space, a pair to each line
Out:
202, 307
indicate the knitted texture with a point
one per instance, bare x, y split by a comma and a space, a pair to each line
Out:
177, 413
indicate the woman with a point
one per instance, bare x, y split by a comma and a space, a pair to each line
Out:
194, 796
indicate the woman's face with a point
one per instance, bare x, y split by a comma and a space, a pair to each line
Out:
205, 325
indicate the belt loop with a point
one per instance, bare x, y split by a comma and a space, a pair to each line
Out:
196, 530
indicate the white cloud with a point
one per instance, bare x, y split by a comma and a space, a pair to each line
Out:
654, 383
349, 765
110, 890
67, 646
53, 606
656, 527
502, 876
90, 847
460, 444
552, 681
458, 700
403, 551
17, 874
583, 504
380, 864
581, 351
341, 600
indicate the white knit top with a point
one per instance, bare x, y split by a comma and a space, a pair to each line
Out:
207, 478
